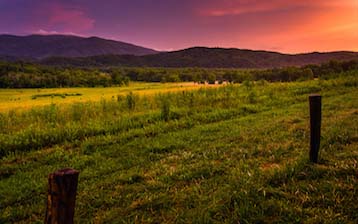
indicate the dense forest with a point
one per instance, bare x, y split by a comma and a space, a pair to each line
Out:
31, 75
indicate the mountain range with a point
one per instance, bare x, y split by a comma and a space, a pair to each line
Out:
43, 46
93, 51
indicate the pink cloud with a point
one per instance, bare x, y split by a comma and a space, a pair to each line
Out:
239, 7
62, 18
70, 17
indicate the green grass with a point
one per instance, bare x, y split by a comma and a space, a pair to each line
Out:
224, 155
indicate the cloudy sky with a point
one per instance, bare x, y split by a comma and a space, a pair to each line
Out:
289, 26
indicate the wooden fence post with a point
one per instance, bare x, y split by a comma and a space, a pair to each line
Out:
315, 125
62, 187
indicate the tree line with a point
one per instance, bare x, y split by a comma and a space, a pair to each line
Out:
31, 75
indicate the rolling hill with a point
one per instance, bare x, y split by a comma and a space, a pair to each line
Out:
208, 58
65, 50
43, 46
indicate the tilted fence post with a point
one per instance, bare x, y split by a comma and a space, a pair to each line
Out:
62, 187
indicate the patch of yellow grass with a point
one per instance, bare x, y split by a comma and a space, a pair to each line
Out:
11, 99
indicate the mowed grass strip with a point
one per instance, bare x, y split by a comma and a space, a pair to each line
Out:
206, 163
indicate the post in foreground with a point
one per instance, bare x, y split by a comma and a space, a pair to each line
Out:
62, 187
315, 125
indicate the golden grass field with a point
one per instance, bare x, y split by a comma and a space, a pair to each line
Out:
11, 99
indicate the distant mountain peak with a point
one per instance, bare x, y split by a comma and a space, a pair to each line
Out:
37, 46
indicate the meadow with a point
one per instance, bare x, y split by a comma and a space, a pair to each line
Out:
12, 99
232, 154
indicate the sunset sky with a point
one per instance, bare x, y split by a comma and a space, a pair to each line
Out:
290, 26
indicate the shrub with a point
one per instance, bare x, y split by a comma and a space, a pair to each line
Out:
165, 109
130, 99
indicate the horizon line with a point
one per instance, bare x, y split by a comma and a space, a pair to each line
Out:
173, 50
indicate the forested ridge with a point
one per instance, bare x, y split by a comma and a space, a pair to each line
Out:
206, 58
36, 47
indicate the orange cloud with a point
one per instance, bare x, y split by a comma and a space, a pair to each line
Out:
288, 26
237, 7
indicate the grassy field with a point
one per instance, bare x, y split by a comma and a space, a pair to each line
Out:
27, 98
238, 153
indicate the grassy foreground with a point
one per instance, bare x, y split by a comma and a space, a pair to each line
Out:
222, 155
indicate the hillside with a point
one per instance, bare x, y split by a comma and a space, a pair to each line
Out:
68, 50
208, 58
43, 46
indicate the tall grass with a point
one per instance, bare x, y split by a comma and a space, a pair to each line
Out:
235, 154
53, 124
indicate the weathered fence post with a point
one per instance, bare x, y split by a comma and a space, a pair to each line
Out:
315, 125
62, 187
